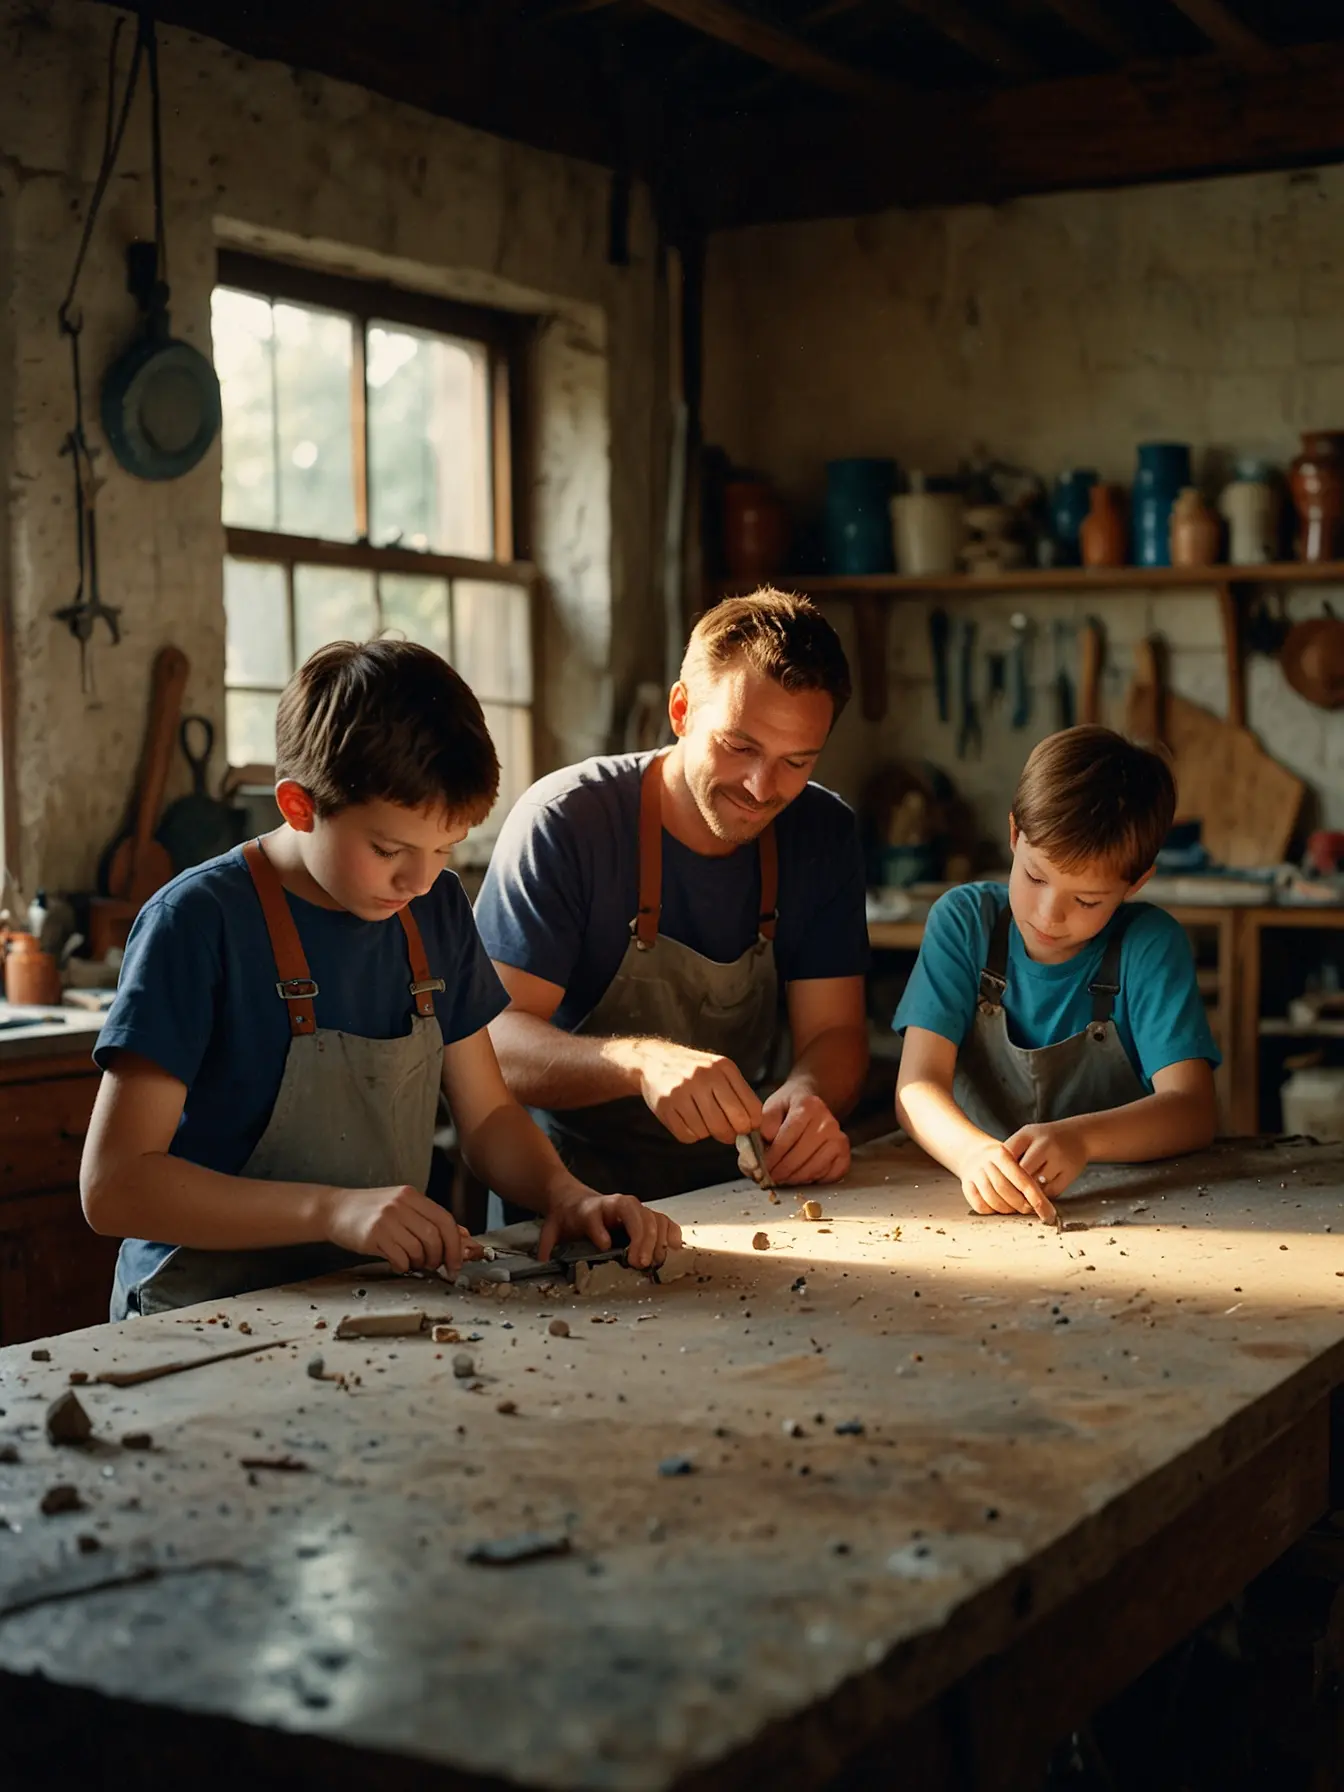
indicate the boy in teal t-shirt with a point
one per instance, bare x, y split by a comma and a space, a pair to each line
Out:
1051, 1023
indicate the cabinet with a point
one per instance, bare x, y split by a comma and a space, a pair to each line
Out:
55, 1273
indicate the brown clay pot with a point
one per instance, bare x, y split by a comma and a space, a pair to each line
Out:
32, 977
755, 529
1316, 480
1104, 535
1196, 534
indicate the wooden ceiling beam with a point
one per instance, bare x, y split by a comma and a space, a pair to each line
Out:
1154, 121
976, 36
782, 49
1099, 25
1225, 30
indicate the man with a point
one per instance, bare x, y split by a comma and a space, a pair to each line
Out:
643, 909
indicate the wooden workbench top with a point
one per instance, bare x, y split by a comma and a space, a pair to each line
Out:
1018, 1408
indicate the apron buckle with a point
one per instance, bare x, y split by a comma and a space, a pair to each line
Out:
296, 989
436, 985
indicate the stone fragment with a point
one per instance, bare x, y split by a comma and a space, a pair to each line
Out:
87, 1543
507, 1406
671, 1466
597, 1279
61, 1498
317, 1367
761, 1242
791, 1428
559, 1328
67, 1421
381, 1325
137, 1440
41, 1355
445, 1334
9, 1454
850, 1428
812, 1210
526, 1546
78, 1377
463, 1366
677, 1263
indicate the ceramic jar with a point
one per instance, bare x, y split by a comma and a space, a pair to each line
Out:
1163, 471
858, 515
1104, 536
1196, 533
929, 528
1316, 480
755, 529
32, 977
1250, 507
1068, 507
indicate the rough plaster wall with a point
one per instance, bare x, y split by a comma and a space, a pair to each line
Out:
259, 154
1056, 332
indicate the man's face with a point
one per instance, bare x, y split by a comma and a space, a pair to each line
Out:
1057, 911
373, 858
747, 745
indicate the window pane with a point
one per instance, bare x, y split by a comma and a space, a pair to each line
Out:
429, 442
332, 603
241, 328
314, 358
511, 731
249, 722
492, 639
256, 618
418, 609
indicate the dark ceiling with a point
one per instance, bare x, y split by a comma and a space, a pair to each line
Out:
744, 110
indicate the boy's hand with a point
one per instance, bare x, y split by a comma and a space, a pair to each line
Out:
806, 1143
993, 1181
1052, 1152
399, 1224
588, 1215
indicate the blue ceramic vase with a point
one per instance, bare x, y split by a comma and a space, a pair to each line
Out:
1069, 504
858, 515
1163, 470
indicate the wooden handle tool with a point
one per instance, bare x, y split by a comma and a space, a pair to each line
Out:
139, 865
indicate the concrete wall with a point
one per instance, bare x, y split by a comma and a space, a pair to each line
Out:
1055, 332
260, 155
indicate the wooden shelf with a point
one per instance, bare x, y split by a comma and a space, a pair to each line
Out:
1276, 1028
872, 593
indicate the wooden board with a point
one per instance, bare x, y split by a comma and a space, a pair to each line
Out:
1039, 1411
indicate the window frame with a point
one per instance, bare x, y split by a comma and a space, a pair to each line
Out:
507, 338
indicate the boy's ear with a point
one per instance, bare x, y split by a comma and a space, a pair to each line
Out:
1140, 882
295, 804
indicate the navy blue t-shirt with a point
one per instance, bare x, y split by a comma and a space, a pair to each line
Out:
197, 994
563, 886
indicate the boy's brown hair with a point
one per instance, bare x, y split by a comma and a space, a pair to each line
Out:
385, 720
778, 634
1089, 794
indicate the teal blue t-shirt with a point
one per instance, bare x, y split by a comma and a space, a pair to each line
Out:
1159, 1012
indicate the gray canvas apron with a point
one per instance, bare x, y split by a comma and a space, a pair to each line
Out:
351, 1112
1001, 1086
665, 990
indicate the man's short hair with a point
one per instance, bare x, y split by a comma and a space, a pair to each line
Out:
390, 721
783, 636
1087, 795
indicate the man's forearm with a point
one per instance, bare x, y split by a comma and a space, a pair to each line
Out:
1160, 1125
936, 1124
833, 1066
545, 1067
166, 1198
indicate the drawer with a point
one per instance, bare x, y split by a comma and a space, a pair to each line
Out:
42, 1130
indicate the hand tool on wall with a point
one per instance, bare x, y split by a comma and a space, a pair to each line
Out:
996, 674
1064, 716
969, 737
137, 865
1021, 625
197, 827
940, 629
1092, 649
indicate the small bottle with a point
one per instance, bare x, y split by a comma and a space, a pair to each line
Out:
37, 915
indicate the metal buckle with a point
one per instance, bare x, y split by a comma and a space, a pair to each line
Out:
297, 989
1103, 989
436, 984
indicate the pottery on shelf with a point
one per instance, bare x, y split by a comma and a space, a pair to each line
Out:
32, 977
1104, 535
1163, 472
755, 529
1068, 507
991, 546
928, 529
858, 515
1196, 533
1250, 506
1316, 480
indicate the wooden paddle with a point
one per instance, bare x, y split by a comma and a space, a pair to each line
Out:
139, 865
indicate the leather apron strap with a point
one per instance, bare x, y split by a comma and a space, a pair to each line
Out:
644, 927
295, 985
1106, 985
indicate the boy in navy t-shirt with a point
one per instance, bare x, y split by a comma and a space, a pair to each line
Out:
1053, 1023
288, 1015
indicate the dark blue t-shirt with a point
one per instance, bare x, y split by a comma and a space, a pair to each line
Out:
197, 994
563, 886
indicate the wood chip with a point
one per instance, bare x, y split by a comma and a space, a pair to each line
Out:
61, 1498
812, 1210
527, 1546
67, 1421
381, 1325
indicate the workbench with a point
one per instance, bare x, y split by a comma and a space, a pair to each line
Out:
895, 1499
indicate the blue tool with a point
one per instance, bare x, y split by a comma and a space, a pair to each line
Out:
969, 737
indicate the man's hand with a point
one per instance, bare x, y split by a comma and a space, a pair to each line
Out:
993, 1181
1052, 1152
586, 1214
400, 1224
804, 1140
695, 1094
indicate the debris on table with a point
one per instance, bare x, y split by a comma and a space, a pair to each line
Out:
137, 1440
67, 1421
41, 1355
506, 1406
671, 1466
464, 1366
284, 1465
812, 1210
61, 1498
761, 1242
559, 1328
317, 1368
381, 1325
445, 1334
527, 1546
850, 1428
129, 1378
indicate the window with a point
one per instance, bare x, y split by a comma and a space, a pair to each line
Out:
369, 488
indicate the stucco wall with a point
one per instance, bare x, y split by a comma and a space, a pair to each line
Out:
1055, 332
260, 155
